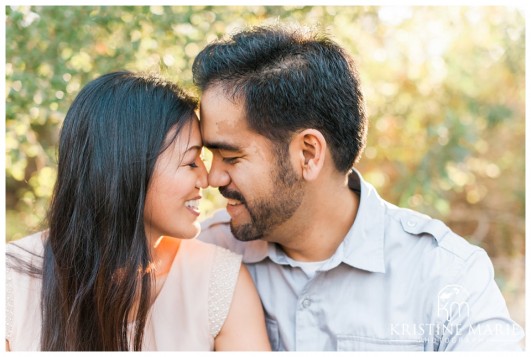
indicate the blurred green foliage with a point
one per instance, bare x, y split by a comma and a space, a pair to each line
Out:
444, 88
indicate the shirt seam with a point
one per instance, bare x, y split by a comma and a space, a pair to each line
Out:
452, 281
449, 232
475, 249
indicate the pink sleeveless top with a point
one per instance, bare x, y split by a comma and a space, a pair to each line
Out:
187, 314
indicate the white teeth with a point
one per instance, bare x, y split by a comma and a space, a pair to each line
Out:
193, 204
233, 202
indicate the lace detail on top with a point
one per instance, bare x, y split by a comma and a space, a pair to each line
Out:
225, 271
10, 303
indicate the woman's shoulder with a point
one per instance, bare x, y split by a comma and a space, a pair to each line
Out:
24, 259
201, 250
217, 267
32, 245
223, 268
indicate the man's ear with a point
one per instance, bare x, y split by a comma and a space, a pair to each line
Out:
310, 148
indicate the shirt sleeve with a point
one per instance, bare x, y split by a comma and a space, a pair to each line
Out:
216, 230
475, 313
225, 271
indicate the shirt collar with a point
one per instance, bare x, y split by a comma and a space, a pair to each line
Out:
363, 246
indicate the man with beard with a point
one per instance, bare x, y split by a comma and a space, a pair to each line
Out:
336, 267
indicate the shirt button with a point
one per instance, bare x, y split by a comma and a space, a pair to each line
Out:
411, 223
306, 302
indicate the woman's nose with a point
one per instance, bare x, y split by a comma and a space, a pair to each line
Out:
202, 177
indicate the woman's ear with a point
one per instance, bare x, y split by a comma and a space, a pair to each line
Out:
310, 148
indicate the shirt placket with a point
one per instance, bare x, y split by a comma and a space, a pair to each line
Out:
306, 317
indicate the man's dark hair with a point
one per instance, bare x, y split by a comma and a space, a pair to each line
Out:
290, 79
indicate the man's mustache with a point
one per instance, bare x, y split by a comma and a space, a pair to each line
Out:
228, 193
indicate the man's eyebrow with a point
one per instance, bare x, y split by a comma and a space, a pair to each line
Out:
220, 146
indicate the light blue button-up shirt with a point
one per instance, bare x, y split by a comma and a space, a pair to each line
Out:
399, 281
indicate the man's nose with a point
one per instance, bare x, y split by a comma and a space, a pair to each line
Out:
218, 176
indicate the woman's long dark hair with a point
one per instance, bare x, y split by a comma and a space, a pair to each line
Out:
96, 255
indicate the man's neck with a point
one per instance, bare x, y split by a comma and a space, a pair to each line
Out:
320, 224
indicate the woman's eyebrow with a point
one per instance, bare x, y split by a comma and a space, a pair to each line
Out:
195, 147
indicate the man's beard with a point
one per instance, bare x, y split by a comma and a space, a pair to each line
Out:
266, 213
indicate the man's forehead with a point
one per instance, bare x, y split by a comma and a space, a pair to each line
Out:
221, 118
217, 95
220, 113
223, 122
221, 130
222, 134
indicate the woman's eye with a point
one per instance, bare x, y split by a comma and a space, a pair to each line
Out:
193, 165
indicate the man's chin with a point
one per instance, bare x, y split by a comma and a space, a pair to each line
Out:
245, 232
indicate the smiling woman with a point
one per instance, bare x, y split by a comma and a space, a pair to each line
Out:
118, 257
174, 190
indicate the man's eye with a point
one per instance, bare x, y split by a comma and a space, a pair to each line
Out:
230, 160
